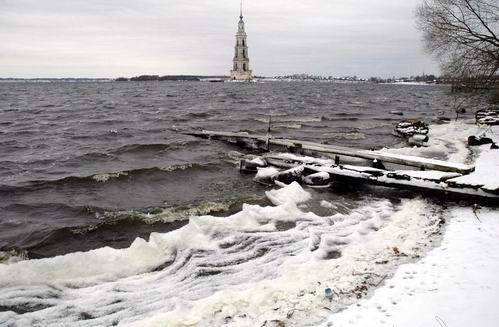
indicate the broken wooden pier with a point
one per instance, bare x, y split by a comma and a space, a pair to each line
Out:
310, 148
429, 176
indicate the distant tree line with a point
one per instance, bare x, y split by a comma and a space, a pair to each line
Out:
309, 77
296, 77
194, 78
142, 78
420, 79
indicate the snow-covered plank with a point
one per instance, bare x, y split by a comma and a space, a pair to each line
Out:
387, 179
429, 175
423, 163
263, 141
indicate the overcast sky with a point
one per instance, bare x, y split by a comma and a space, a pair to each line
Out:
111, 38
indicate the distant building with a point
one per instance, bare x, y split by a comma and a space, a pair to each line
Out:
241, 69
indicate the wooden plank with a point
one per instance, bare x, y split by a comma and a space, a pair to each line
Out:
430, 182
412, 161
413, 184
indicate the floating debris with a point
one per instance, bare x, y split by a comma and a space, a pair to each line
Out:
328, 293
415, 131
487, 116
411, 127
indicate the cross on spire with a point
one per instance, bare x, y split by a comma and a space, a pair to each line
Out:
241, 16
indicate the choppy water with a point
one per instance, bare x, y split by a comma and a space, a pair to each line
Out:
88, 165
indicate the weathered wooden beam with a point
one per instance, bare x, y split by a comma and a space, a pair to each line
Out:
428, 182
412, 161
413, 184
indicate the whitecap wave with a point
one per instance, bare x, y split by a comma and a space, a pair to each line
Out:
288, 119
102, 178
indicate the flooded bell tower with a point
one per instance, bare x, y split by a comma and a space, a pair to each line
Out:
241, 70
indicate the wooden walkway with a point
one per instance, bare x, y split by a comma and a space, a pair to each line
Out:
428, 182
263, 142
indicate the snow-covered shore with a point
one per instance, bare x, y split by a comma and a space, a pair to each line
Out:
456, 284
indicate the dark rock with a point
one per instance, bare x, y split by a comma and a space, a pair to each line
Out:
318, 179
289, 176
473, 140
251, 166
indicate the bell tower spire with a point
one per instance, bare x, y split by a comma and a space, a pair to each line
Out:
241, 70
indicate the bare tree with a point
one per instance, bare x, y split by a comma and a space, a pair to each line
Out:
463, 34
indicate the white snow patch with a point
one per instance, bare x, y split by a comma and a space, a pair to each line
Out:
455, 283
486, 172
259, 161
292, 193
305, 159
447, 140
265, 173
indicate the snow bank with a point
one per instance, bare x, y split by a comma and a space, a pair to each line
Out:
486, 170
447, 142
456, 283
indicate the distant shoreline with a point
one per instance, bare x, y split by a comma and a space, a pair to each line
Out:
412, 80
207, 79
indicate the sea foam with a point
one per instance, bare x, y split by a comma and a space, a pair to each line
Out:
257, 265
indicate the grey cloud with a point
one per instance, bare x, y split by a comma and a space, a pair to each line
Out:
110, 38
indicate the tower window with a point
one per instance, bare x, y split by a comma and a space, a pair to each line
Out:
244, 67
243, 43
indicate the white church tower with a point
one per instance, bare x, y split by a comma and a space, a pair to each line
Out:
241, 70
